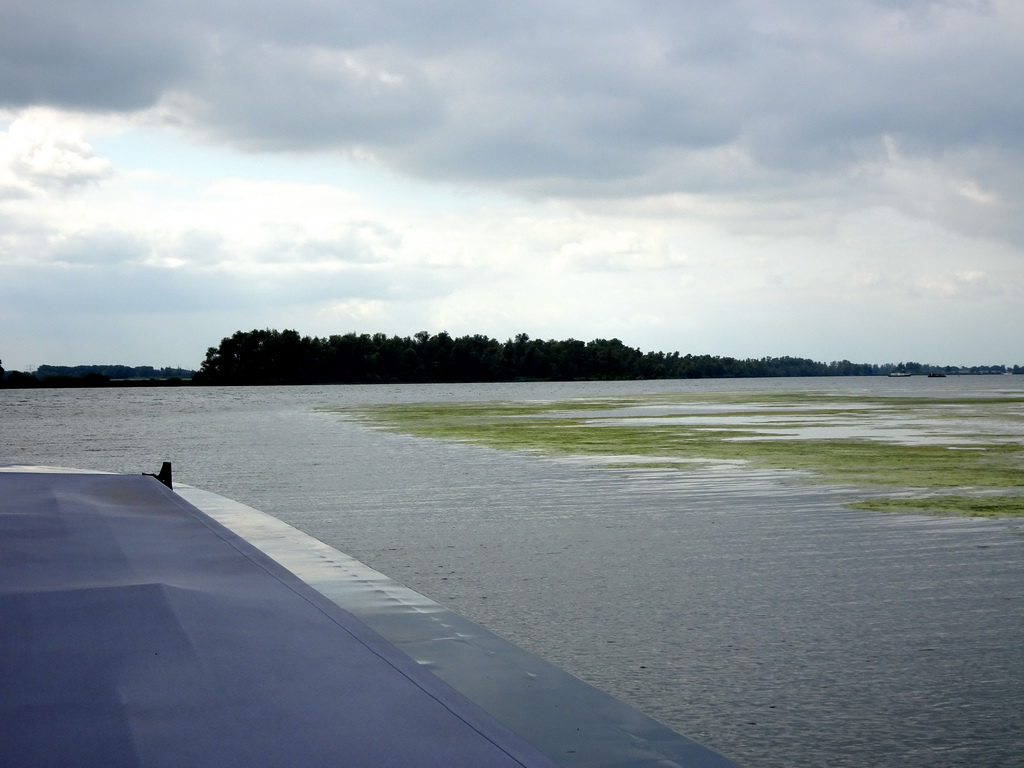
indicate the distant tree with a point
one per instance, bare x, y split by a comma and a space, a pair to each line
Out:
127, 372
19, 380
284, 357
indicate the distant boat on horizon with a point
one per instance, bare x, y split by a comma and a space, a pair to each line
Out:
899, 374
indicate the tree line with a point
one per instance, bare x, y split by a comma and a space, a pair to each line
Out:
114, 371
285, 357
271, 357
52, 376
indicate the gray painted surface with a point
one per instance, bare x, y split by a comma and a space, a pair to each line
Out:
137, 631
142, 627
572, 722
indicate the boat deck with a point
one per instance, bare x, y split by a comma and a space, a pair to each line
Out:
138, 630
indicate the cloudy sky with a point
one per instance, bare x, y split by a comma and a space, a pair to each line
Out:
746, 178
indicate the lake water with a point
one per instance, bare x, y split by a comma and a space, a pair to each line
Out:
749, 611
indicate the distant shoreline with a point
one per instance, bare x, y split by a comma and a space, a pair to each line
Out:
268, 357
18, 380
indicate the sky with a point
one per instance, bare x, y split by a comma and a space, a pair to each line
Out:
823, 180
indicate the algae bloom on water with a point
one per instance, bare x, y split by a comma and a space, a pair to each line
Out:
944, 455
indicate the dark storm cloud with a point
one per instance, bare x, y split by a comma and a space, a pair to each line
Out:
277, 98
596, 98
101, 55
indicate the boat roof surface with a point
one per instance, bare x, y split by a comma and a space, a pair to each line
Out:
139, 631
572, 722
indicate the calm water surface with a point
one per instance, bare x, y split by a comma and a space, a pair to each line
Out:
745, 609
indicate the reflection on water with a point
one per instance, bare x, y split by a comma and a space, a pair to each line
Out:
751, 612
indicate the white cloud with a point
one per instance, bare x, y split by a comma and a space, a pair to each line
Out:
970, 283
41, 151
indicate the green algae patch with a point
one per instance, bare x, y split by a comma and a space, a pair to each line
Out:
865, 462
960, 506
926, 444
